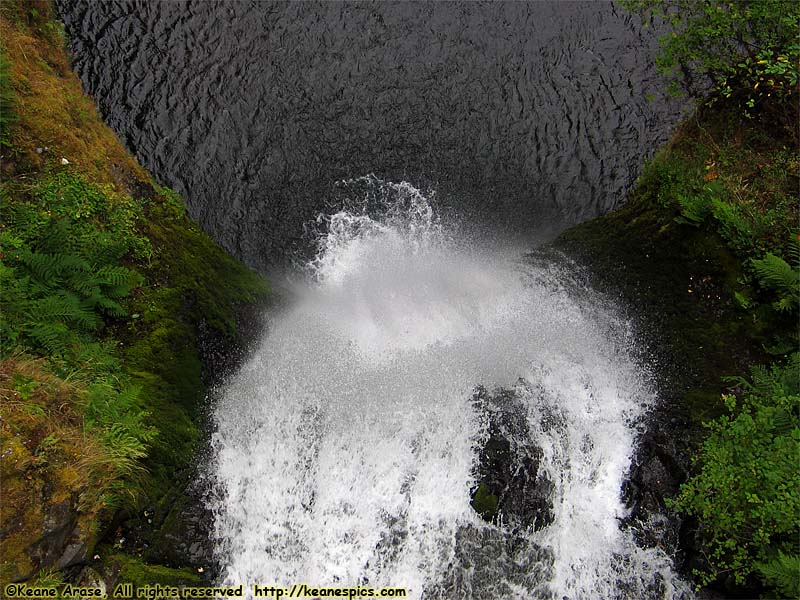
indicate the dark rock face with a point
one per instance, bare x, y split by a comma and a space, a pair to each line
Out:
62, 542
44, 522
525, 117
499, 564
177, 533
178, 529
656, 474
510, 491
661, 464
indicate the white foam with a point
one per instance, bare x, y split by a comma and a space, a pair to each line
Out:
344, 449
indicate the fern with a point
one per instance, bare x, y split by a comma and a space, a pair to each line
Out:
53, 337
116, 276
106, 305
794, 252
694, 209
47, 268
746, 492
778, 276
782, 573
53, 238
62, 294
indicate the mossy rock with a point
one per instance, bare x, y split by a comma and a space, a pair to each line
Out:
117, 567
485, 503
173, 336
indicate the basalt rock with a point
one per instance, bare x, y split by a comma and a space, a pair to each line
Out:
659, 467
509, 491
43, 523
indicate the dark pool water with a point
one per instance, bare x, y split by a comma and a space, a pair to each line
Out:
524, 118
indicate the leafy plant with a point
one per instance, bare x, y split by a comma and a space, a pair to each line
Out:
745, 228
746, 50
747, 493
778, 276
61, 271
56, 297
114, 414
782, 573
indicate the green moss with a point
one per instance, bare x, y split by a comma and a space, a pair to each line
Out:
686, 276
681, 255
134, 343
130, 569
193, 284
485, 503
689, 264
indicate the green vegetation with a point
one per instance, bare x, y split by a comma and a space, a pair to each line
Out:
710, 238
747, 50
62, 273
485, 502
778, 276
7, 98
108, 290
747, 492
781, 573
132, 570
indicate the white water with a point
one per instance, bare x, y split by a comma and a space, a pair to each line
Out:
345, 448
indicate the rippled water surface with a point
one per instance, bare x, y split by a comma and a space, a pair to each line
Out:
525, 117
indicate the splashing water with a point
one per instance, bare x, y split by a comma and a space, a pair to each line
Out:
345, 450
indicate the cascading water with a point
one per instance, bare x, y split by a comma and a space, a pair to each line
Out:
346, 449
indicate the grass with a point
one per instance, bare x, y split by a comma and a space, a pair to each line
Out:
51, 112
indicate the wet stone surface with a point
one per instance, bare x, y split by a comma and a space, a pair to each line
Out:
509, 490
524, 117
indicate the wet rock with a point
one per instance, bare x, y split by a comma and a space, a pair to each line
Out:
659, 467
509, 489
490, 563
177, 534
54, 537
64, 541
88, 577
75, 551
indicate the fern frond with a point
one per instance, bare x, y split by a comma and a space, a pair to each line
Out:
106, 305
53, 337
41, 266
53, 308
694, 209
70, 262
776, 275
83, 285
48, 267
783, 573
63, 307
117, 277
54, 237
107, 250
121, 291
794, 252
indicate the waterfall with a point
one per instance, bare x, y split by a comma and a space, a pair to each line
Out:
345, 450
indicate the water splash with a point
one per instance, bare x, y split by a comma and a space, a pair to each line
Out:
345, 449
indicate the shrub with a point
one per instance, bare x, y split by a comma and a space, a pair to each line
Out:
747, 492
747, 50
